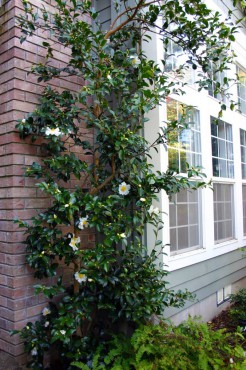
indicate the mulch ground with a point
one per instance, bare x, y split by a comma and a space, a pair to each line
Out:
225, 321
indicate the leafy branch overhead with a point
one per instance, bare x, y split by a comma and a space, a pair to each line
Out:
118, 280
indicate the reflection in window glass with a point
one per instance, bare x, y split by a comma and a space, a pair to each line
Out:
175, 58
241, 89
183, 146
219, 81
223, 212
244, 210
222, 149
243, 152
185, 223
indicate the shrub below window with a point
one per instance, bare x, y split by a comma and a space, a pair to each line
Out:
191, 345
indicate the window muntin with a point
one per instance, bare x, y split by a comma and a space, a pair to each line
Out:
243, 152
183, 146
241, 89
185, 221
222, 149
244, 208
223, 212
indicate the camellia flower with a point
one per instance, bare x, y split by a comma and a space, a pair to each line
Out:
46, 324
142, 199
135, 60
153, 211
46, 311
73, 242
123, 235
124, 188
34, 351
53, 131
83, 222
80, 277
23, 121
63, 332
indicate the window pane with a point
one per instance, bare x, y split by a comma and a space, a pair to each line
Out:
243, 152
223, 212
241, 90
184, 219
215, 147
184, 146
244, 209
222, 149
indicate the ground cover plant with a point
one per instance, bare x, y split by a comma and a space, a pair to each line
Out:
191, 345
119, 284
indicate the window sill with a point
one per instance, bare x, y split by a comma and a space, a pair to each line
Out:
183, 260
225, 243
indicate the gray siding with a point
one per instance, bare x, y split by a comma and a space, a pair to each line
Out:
207, 277
104, 8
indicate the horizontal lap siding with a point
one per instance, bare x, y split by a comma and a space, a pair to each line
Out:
206, 278
104, 9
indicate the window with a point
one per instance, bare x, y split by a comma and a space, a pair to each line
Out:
244, 209
241, 89
223, 212
176, 62
219, 82
184, 146
184, 216
222, 149
223, 294
243, 152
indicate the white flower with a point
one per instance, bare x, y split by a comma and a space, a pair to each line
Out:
46, 311
231, 361
66, 205
135, 60
153, 211
123, 235
83, 222
73, 242
109, 77
80, 277
63, 332
142, 200
34, 351
23, 121
124, 188
53, 131
46, 324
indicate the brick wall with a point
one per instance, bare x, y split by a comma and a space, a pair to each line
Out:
19, 93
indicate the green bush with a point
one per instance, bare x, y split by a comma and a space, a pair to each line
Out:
190, 346
238, 310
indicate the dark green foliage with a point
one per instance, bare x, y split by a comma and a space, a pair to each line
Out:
238, 310
191, 345
119, 283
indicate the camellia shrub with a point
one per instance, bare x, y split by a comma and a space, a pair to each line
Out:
118, 284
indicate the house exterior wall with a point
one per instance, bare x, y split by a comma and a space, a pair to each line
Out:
204, 271
19, 198
213, 267
207, 270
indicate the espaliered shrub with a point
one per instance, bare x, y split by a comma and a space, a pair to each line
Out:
117, 284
